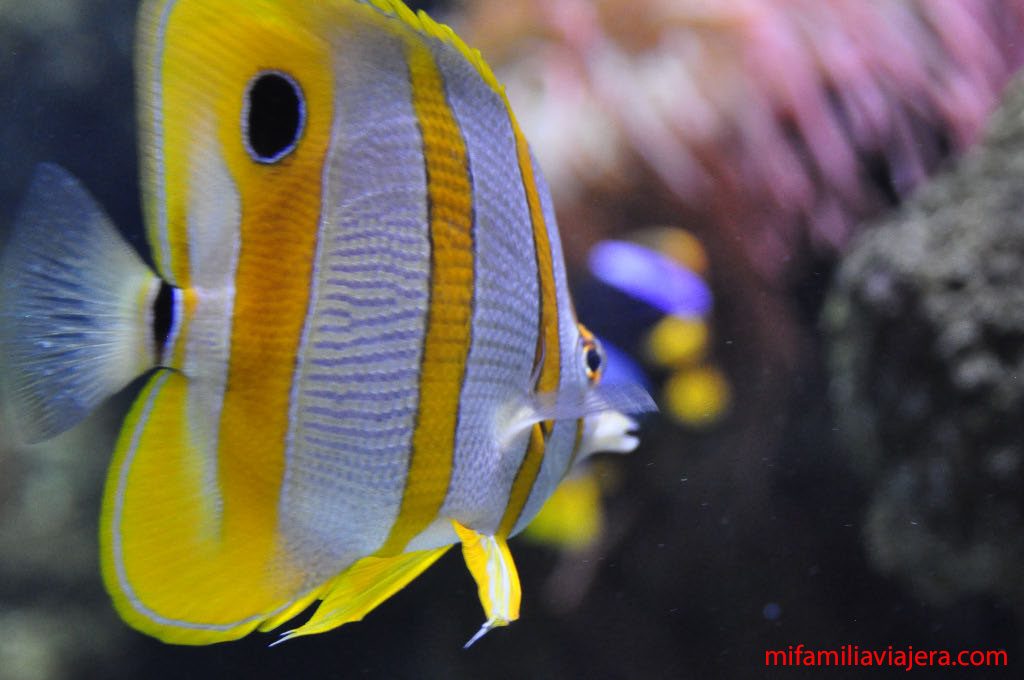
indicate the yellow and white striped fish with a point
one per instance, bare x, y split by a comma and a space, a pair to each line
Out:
359, 341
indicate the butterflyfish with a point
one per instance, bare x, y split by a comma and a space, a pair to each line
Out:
356, 339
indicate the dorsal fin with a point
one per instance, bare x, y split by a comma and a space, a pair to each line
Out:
423, 24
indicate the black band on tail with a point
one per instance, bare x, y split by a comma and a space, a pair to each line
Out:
163, 316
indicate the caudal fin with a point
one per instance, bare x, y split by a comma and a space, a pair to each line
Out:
75, 308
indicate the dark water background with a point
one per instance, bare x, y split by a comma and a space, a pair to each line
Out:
721, 544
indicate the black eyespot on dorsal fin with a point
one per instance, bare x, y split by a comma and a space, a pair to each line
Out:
273, 117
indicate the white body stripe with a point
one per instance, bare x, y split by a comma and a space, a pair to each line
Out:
504, 322
558, 452
357, 375
154, 97
214, 227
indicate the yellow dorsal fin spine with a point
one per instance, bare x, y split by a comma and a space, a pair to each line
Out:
422, 23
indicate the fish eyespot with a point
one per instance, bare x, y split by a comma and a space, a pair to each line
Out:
273, 116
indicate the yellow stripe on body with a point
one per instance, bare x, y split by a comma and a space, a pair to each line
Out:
448, 329
548, 338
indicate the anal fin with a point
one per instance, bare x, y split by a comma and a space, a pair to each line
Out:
497, 580
358, 590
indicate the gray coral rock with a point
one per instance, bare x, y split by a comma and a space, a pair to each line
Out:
926, 322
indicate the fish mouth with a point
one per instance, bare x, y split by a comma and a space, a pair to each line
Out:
629, 434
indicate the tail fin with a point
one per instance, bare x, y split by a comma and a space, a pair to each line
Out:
75, 308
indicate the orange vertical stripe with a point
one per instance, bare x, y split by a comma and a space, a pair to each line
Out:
448, 328
280, 213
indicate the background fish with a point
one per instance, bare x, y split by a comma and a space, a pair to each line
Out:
358, 339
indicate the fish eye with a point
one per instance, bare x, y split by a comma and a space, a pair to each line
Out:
273, 116
592, 354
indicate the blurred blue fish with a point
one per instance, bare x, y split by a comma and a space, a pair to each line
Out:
651, 277
649, 304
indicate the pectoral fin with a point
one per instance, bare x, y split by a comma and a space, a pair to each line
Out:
497, 580
573, 405
358, 590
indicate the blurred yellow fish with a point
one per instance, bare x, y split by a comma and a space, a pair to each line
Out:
359, 343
